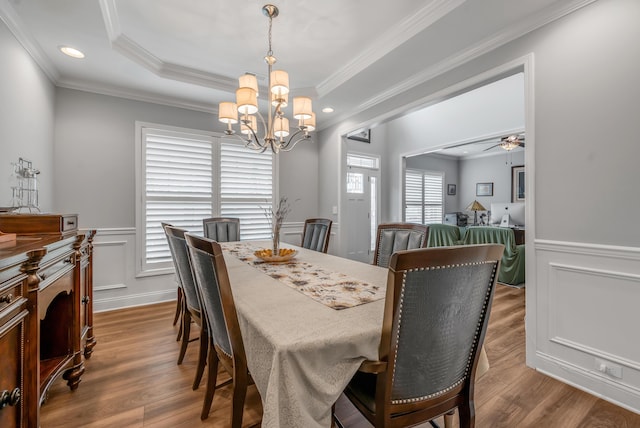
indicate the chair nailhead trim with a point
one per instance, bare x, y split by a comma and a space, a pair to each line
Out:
475, 337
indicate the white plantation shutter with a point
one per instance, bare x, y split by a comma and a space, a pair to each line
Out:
186, 177
433, 197
424, 196
246, 188
177, 188
413, 197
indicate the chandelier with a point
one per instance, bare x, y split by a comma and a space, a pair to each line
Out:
276, 126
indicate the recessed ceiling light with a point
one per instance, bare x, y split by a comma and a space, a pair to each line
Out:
327, 110
72, 52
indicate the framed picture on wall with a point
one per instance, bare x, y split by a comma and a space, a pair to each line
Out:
517, 183
484, 189
363, 135
451, 189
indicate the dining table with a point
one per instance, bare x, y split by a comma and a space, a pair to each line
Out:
307, 324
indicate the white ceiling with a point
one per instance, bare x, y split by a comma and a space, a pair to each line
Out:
349, 55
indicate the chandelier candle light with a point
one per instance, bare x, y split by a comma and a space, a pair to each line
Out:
276, 127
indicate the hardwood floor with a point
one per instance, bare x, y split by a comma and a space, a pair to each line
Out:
132, 380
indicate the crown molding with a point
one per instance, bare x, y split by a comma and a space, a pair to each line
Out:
388, 41
135, 52
15, 25
487, 45
135, 95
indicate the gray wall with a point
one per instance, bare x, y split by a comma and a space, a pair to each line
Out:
98, 180
586, 109
490, 169
26, 119
494, 109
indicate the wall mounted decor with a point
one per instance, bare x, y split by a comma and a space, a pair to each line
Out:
517, 183
484, 189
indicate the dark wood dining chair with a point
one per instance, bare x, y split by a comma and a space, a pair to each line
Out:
316, 233
392, 237
222, 229
179, 297
435, 318
191, 300
225, 341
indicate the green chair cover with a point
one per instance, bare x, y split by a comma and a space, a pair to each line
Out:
512, 265
443, 235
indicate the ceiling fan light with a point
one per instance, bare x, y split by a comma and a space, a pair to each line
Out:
247, 100
302, 108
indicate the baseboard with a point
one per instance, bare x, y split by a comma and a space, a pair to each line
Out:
133, 300
593, 383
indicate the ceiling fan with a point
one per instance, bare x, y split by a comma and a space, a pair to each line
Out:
509, 143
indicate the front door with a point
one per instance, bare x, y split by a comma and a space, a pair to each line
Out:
361, 212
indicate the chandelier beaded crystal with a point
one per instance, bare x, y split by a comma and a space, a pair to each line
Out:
276, 127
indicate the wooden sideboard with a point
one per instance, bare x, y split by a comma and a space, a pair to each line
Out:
46, 312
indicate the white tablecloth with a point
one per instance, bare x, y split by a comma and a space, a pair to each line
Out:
302, 353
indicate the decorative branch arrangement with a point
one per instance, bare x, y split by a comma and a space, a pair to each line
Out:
275, 219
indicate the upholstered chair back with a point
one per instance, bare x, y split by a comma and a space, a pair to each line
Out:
222, 229
178, 248
206, 279
392, 237
443, 311
435, 318
316, 233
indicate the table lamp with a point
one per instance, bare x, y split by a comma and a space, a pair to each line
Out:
475, 206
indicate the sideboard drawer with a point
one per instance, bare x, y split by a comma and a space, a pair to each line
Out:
30, 224
9, 295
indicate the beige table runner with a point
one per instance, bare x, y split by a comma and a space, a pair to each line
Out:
333, 289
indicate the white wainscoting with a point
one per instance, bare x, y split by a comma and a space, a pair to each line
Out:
586, 309
115, 285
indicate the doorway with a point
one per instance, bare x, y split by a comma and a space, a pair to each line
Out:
362, 205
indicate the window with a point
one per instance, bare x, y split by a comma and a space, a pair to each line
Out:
355, 182
363, 161
246, 188
185, 176
373, 212
424, 195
